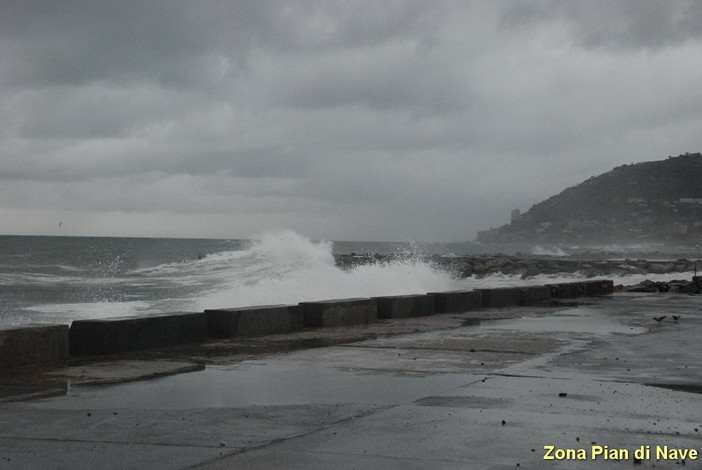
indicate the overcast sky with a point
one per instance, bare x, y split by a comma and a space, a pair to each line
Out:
342, 120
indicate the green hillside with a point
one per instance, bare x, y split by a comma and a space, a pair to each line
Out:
659, 201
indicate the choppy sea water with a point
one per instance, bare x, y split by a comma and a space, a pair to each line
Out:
61, 279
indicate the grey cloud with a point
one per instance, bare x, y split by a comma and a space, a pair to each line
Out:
95, 111
621, 24
146, 193
268, 163
183, 43
366, 120
78, 162
388, 81
323, 25
174, 43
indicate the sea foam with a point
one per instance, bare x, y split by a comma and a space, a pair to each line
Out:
291, 268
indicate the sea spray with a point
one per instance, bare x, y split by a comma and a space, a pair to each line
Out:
291, 268
554, 251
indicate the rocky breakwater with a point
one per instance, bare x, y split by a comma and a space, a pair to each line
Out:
679, 286
525, 266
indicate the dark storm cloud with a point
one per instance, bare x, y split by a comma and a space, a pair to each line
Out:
169, 42
183, 43
340, 119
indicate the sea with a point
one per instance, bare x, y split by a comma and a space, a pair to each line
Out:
61, 279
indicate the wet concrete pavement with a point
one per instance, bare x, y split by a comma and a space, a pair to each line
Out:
482, 390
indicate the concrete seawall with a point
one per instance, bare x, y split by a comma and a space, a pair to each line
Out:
405, 306
457, 301
533, 294
38, 345
125, 334
340, 312
253, 321
501, 297
33, 345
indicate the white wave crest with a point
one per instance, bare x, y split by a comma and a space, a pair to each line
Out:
554, 251
290, 268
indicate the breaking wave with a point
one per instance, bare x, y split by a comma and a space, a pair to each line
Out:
285, 267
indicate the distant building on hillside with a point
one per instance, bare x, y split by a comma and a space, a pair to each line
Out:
660, 201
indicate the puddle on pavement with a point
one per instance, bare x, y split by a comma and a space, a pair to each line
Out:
258, 383
579, 320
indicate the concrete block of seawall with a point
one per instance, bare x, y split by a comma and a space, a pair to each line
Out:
341, 312
606, 287
456, 301
501, 297
534, 294
593, 288
404, 306
566, 290
579, 288
33, 345
124, 334
253, 321
558, 291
